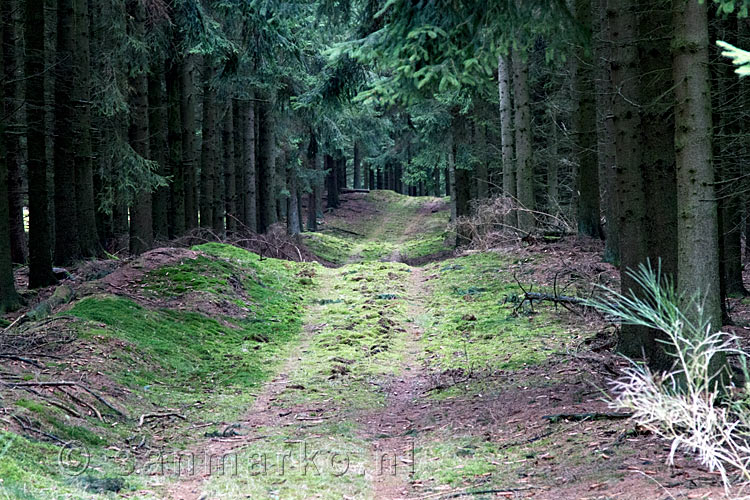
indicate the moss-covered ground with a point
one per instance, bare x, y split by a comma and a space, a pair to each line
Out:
303, 377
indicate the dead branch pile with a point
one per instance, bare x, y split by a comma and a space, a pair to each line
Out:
489, 225
275, 243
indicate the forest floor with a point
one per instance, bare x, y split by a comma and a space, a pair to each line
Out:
398, 371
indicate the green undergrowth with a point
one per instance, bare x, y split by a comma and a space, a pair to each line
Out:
197, 361
358, 321
394, 225
471, 322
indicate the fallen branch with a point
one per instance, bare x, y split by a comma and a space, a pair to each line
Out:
66, 384
507, 491
143, 418
578, 417
20, 358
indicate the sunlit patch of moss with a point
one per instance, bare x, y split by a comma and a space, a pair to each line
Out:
472, 326
329, 247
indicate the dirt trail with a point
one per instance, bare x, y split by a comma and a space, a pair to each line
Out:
391, 428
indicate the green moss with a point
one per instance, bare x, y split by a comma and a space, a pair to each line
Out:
329, 247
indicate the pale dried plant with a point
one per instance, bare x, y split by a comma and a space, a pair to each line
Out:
693, 405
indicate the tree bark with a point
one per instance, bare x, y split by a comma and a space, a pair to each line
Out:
40, 237
208, 149
9, 299
634, 341
230, 172
266, 165
174, 144
524, 164
357, 161
606, 133
504, 79
698, 255
332, 184
187, 112
157, 124
584, 125
249, 167
88, 239
14, 129
67, 249
141, 222
312, 165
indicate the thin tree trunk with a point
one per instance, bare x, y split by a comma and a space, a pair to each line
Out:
141, 223
249, 167
312, 164
208, 149
174, 144
230, 172
187, 112
66, 224
357, 167
606, 133
157, 123
506, 135
9, 299
553, 169
266, 165
84, 157
40, 236
584, 124
482, 181
524, 163
14, 129
698, 255
293, 221
332, 185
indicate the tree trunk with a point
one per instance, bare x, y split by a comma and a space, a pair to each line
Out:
524, 164
293, 221
14, 129
266, 166
141, 223
66, 224
249, 167
9, 299
84, 158
506, 135
657, 137
187, 112
553, 169
606, 134
584, 125
312, 164
698, 255
208, 149
40, 236
482, 181
332, 185
174, 143
357, 167
634, 341
230, 172
157, 124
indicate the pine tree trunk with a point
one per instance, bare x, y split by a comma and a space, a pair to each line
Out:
14, 129
174, 144
482, 181
293, 221
357, 167
208, 149
312, 164
249, 167
524, 164
40, 236
66, 224
266, 166
187, 112
698, 255
657, 136
9, 299
553, 169
157, 123
584, 125
88, 239
606, 133
230, 172
219, 201
634, 341
141, 223
506, 135
332, 185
